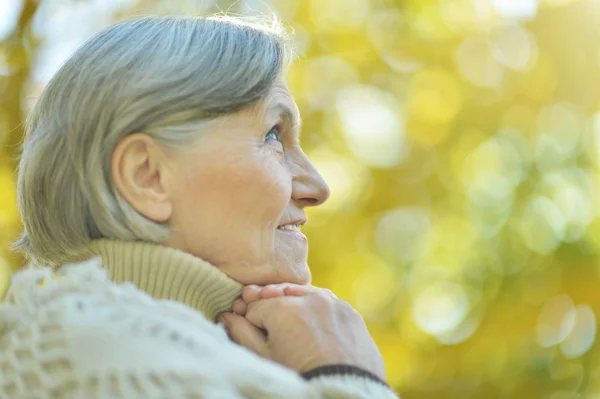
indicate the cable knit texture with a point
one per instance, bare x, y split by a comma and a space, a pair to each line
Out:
136, 321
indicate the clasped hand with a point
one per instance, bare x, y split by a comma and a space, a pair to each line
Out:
302, 327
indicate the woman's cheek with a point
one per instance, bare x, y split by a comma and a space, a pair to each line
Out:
278, 153
276, 167
281, 188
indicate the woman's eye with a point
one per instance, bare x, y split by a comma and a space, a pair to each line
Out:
273, 134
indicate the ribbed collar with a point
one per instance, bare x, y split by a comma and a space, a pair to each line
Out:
167, 273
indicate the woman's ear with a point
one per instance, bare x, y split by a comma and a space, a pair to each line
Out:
139, 168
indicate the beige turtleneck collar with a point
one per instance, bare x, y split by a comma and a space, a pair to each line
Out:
168, 273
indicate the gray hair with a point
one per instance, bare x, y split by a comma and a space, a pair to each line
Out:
164, 76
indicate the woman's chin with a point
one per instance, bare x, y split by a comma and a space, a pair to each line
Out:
280, 267
298, 273
291, 271
295, 275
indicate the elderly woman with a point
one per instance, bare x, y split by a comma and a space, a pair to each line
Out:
162, 188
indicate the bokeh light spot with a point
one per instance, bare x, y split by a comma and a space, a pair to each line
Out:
542, 225
571, 190
461, 333
477, 64
593, 142
515, 47
9, 13
582, 331
390, 34
552, 327
440, 308
492, 171
564, 125
402, 232
516, 9
434, 96
326, 15
467, 16
348, 179
322, 78
372, 125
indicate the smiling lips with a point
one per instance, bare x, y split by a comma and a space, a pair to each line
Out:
293, 224
293, 229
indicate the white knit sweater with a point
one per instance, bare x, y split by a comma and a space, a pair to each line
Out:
137, 321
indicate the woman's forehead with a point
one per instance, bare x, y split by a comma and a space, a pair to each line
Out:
278, 96
280, 102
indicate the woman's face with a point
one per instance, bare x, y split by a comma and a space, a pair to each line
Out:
239, 194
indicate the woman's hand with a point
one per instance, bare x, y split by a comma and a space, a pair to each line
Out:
302, 327
253, 293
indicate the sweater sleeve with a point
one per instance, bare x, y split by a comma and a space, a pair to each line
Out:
331, 378
103, 340
96, 355
350, 386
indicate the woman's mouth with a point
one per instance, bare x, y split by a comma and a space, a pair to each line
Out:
292, 227
292, 230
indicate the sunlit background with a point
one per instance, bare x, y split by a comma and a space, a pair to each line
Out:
461, 141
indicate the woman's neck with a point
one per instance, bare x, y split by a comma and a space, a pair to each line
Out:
167, 273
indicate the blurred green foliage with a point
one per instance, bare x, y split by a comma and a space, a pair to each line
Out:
461, 140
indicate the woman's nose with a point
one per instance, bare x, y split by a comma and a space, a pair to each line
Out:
308, 186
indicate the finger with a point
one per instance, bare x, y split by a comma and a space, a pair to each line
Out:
255, 313
251, 293
239, 307
298, 290
244, 333
277, 290
273, 291
302, 290
265, 311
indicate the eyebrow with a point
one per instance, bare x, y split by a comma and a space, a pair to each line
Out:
292, 117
